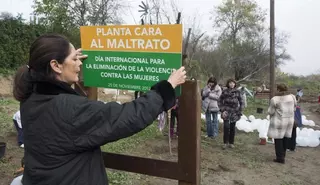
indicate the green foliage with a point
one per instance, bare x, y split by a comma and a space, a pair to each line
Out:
253, 104
51, 16
15, 40
310, 84
4, 72
16, 37
7, 109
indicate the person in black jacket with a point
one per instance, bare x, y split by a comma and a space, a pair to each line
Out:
63, 131
231, 107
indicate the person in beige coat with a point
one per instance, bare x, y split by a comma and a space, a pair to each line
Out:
281, 111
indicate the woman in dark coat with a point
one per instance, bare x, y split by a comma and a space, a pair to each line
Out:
63, 131
231, 106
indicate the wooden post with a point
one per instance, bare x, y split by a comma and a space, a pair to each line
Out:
272, 50
189, 133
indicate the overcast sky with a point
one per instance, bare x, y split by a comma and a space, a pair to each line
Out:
299, 18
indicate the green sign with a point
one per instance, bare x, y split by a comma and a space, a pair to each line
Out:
130, 57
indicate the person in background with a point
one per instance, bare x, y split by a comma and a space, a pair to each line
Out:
281, 111
231, 107
137, 94
299, 94
18, 126
173, 117
243, 96
63, 131
297, 123
210, 97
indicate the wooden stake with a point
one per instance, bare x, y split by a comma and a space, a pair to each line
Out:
189, 133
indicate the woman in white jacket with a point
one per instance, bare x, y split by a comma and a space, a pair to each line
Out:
281, 111
210, 97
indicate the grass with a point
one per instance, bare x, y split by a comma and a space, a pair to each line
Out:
7, 108
126, 146
6, 72
253, 104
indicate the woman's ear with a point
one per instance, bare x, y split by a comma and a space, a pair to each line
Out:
56, 67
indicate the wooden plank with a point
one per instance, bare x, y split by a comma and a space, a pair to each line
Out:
153, 167
189, 133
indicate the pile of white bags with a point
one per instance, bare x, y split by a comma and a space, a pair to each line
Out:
306, 137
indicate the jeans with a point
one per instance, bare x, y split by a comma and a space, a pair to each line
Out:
212, 124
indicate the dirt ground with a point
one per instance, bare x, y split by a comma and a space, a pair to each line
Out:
247, 164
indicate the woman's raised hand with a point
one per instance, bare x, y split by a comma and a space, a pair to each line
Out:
80, 55
177, 77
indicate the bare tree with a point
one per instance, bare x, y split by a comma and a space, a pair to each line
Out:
162, 12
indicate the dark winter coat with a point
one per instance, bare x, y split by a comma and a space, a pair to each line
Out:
64, 131
232, 103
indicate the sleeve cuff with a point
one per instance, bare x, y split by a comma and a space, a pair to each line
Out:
166, 91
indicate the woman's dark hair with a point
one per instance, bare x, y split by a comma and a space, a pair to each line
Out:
44, 49
231, 80
212, 80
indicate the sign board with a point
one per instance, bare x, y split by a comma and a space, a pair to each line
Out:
130, 57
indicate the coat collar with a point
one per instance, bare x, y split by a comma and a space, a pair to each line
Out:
54, 88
